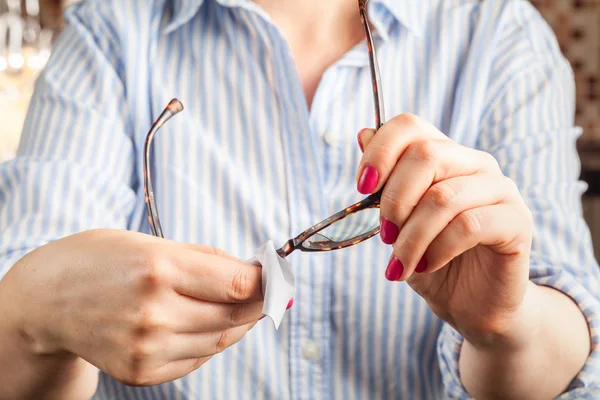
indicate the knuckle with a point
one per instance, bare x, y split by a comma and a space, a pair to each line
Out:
135, 376
490, 161
406, 244
380, 151
522, 246
222, 341
137, 356
511, 185
151, 271
470, 223
236, 315
392, 201
198, 362
379, 155
407, 120
148, 322
442, 195
423, 151
215, 251
240, 287
139, 351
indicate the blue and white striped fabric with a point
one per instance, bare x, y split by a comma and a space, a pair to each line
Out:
247, 161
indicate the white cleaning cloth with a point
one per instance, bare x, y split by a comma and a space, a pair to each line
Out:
278, 284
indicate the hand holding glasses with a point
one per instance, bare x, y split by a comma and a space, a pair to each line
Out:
352, 225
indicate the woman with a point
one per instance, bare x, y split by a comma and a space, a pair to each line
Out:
480, 208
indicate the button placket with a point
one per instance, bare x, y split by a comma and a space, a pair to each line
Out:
304, 175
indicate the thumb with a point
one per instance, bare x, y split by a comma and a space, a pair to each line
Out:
364, 138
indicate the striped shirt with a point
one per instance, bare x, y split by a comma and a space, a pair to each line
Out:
247, 161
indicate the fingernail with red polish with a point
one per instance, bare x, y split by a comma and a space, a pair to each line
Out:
421, 265
394, 269
290, 304
368, 180
389, 231
359, 141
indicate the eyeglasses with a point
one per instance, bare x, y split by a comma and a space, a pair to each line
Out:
348, 227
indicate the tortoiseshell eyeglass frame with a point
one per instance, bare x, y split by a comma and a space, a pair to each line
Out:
301, 242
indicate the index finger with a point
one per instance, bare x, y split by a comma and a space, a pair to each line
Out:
387, 146
216, 277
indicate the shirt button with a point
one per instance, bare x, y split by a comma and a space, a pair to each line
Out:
311, 351
330, 138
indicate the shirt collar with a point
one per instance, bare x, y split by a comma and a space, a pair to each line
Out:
183, 11
412, 14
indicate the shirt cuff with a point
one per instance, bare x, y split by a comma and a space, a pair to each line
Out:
586, 384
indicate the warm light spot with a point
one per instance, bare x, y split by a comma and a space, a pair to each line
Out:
16, 61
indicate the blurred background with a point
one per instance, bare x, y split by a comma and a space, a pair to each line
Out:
27, 30
28, 27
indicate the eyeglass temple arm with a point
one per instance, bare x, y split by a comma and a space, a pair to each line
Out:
375, 74
172, 109
374, 67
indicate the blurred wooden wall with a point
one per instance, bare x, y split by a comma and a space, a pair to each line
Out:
577, 27
50, 13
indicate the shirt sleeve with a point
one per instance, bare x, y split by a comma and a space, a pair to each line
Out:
527, 125
74, 168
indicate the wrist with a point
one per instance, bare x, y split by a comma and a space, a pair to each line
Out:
488, 373
25, 312
508, 359
27, 369
541, 354
512, 332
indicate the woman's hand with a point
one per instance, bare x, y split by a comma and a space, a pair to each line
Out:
461, 233
142, 309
